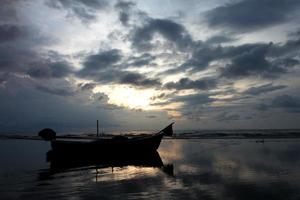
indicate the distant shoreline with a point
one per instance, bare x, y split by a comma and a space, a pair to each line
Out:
292, 135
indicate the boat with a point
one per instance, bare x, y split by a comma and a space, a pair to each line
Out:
117, 145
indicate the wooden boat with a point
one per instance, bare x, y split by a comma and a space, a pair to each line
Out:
117, 145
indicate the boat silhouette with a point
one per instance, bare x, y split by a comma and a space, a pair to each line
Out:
113, 146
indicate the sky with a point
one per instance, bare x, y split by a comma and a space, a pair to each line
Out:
139, 65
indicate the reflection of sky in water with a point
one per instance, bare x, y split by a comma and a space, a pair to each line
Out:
207, 169
123, 173
238, 169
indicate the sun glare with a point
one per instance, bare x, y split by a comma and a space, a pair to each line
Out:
127, 96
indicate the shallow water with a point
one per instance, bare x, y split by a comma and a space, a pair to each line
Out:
203, 169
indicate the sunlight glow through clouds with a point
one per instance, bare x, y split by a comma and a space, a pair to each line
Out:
125, 96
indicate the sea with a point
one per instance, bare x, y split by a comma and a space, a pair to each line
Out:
191, 167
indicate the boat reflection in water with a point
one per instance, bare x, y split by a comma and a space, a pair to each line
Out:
60, 163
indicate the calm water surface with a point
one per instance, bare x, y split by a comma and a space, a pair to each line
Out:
202, 169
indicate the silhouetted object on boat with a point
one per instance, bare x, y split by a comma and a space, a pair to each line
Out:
101, 146
47, 134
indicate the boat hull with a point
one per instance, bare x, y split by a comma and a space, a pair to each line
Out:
138, 145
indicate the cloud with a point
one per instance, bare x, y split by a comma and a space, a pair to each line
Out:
27, 109
263, 89
118, 76
124, 8
202, 56
218, 39
10, 32
263, 59
100, 61
85, 10
170, 30
194, 99
50, 70
86, 86
8, 11
250, 15
287, 62
203, 53
225, 116
56, 91
286, 102
252, 63
289, 48
103, 68
186, 83
142, 60
138, 80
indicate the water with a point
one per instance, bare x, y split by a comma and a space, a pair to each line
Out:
202, 169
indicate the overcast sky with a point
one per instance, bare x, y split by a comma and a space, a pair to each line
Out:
142, 64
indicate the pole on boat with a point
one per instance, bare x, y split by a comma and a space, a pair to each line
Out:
97, 128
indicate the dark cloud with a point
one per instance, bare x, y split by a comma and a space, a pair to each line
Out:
252, 63
194, 99
204, 53
27, 109
60, 91
172, 31
102, 68
13, 59
263, 59
286, 102
117, 76
18, 46
287, 62
225, 116
87, 86
124, 5
161, 96
124, 11
8, 11
263, 89
9, 32
186, 83
139, 61
289, 48
85, 10
97, 62
266, 60
50, 70
124, 18
138, 80
21, 46
248, 15
218, 39
202, 56
289, 102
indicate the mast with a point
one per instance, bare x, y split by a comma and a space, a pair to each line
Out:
97, 128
